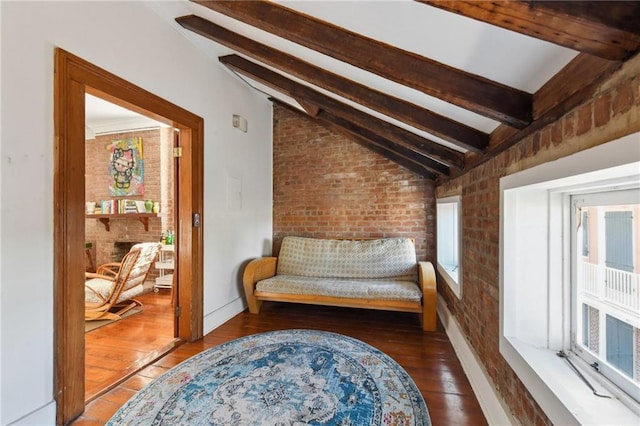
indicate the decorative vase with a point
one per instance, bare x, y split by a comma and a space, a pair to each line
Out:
156, 207
91, 207
148, 206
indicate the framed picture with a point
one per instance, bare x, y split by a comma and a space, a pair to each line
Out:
126, 167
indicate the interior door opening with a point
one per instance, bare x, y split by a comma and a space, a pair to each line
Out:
129, 197
73, 79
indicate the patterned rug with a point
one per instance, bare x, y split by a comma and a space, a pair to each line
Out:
290, 377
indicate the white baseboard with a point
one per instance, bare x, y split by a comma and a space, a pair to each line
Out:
43, 416
223, 314
490, 401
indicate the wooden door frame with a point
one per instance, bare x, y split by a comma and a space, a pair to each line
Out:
73, 78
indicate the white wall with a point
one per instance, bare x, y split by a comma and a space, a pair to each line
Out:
132, 41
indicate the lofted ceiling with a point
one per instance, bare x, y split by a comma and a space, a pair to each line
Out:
436, 86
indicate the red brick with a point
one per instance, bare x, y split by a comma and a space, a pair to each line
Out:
347, 190
602, 110
545, 138
535, 143
583, 120
556, 133
569, 125
623, 99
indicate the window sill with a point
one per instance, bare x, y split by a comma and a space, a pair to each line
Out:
453, 283
559, 391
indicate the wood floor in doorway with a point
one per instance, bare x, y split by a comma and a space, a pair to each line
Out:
119, 349
427, 356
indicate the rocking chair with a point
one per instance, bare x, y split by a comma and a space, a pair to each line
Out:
110, 291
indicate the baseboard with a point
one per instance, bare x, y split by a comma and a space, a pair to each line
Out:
490, 401
45, 415
223, 314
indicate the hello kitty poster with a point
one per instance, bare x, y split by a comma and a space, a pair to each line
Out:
126, 168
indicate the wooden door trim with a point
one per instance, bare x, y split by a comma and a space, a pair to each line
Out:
73, 77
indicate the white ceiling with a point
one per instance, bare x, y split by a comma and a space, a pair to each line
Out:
102, 117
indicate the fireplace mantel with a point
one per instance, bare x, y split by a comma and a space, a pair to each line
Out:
106, 218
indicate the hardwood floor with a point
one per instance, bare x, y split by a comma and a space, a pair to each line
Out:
428, 357
117, 350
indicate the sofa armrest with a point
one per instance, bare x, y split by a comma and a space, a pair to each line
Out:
256, 270
427, 282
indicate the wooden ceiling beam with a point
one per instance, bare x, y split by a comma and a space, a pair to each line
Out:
452, 131
390, 154
387, 130
481, 95
312, 109
577, 80
616, 15
607, 29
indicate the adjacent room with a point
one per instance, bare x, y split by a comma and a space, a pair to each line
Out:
127, 206
377, 212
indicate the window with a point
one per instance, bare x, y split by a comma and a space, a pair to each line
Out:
607, 285
448, 219
620, 346
618, 237
542, 242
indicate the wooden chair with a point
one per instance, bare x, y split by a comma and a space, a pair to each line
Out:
110, 291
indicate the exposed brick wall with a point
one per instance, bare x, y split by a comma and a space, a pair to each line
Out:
325, 185
158, 183
613, 112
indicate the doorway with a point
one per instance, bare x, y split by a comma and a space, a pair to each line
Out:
74, 78
114, 350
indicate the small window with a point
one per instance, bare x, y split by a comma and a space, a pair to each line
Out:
448, 219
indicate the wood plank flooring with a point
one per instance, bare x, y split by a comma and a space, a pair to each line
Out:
427, 356
117, 350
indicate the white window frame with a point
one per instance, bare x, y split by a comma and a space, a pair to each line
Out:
600, 198
449, 241
535, 280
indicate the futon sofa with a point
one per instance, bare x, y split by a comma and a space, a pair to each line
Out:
373, 274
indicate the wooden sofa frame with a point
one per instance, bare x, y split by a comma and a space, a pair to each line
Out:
266, 267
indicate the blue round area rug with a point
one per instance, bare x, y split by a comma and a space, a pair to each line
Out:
289, 377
